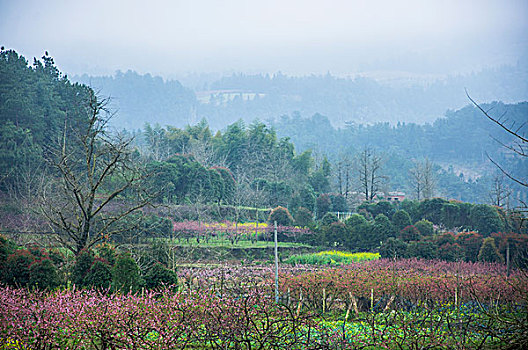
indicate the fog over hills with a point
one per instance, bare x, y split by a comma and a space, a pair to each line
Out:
359, 100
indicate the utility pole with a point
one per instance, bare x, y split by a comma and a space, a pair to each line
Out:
276, 266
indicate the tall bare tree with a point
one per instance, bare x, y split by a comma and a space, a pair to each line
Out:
500, 193
205, 154
369, 166
94, 183
423, 179
157, 144
343, 173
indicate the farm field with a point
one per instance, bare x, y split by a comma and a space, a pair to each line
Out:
377, 304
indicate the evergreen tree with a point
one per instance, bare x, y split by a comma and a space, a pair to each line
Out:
282, 216
43, 274
158, 275
425, 227
485, 219
400, 220
99, 275
126, 275
83, 263
489, 252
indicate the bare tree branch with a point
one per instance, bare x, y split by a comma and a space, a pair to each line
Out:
522, 183
498, 121
520, 142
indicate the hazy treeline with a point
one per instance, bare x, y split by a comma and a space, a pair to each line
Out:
460, 142
141, 98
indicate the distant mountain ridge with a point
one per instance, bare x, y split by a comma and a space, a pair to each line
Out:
361, 100
138, 99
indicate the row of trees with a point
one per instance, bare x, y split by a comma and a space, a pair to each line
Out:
269, 171
399, 238
451, 215
102, 268
365, 176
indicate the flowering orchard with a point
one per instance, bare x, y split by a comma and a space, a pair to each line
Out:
164, 320
385, 284
407, 282
412, 304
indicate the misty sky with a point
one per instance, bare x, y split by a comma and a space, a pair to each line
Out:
296, 37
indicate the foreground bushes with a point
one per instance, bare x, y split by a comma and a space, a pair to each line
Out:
103, 269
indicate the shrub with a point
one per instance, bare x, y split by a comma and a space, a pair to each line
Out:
401, 219
425, 227
339, 203
471, 242
447, 237
282, 216
56, 257
17, 267
43, 274
355, 220
329, 219
37, 252
125, 274
382, 207
303, 217
360, 237
100, 275
393, 248
422, 249
83, 263
485, 219
107, 253
6, 248
489, 252
158, 252
335, 234
409, 233
518, 244
382, 227
323, 205
159, 275
365, 213
451, 252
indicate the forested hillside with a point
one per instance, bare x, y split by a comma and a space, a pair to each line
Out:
144, 98
278, 163
360, 100
37, 103
459, 144
123, 212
